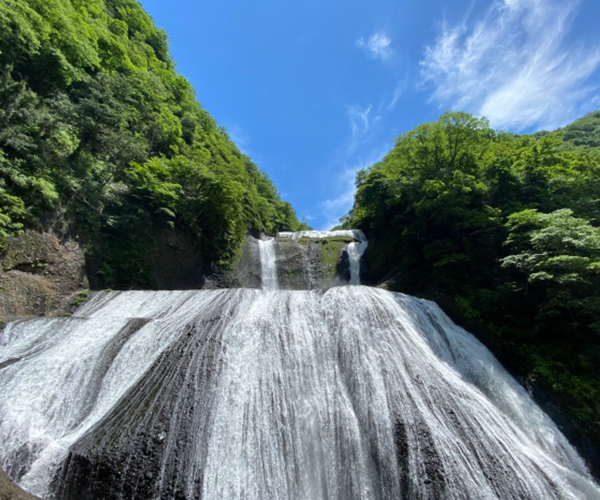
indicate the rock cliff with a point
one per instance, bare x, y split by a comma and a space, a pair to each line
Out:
40, 275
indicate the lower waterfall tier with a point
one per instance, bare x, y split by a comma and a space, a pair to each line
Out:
349, 393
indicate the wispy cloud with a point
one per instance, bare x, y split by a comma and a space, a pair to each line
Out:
361, 125
514, 65
377, 46
239, 137
398, 91
333, 208
359, 119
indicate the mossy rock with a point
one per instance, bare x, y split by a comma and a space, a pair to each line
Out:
341, 239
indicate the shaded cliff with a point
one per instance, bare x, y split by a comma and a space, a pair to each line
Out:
41, 275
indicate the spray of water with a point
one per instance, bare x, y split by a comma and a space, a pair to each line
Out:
349, 393
268, 263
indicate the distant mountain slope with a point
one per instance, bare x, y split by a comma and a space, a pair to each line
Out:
583, 134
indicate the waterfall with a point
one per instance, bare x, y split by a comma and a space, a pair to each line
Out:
268, 263
355, 253
345, 393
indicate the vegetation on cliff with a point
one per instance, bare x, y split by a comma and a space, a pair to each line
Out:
100, 134
502, 230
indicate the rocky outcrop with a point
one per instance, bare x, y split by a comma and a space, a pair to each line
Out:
10, 491
292, 265
307, 264
43, 275
40, 275
302, 264
245, 272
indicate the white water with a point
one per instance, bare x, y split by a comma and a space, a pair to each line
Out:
352, 393
357, 234
268, 264
355, 253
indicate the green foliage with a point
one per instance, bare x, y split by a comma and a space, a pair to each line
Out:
80, 298
583, 134
95, 125
502, 230
558, 259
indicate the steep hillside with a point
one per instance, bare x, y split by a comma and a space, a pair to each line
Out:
582, 134
101, 138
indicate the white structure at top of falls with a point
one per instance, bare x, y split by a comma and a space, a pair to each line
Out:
268, 264
339, 394
356, 249
357, 234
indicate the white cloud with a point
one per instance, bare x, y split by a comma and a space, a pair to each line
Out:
398, 91
333, 208
513, 65
359, 119
361, 124
377, 46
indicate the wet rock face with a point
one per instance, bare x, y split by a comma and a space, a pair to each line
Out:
304, 264
147, 435
245, 273
308, 264
248, 270
40, 275
292, 265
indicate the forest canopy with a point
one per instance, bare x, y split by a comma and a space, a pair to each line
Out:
503, 231
99, 134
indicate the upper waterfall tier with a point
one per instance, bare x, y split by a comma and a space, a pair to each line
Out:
307, 260
348, 393
356, 234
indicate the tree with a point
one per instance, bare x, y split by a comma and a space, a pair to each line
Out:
557, 256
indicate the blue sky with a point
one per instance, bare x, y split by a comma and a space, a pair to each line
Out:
313, 90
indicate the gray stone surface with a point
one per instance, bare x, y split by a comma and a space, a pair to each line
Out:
40, 275
308, 264
10, 491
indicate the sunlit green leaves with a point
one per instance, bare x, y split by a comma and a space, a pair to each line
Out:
96, 125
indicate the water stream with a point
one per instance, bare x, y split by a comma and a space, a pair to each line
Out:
347, 393
268, 264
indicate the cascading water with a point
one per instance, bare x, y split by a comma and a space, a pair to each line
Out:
355, 253
268, 264
346, 393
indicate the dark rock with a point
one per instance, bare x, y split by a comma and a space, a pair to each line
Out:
542, 395
176, 265
248, 270
244, 273
41, 275
141, 449
292, 265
